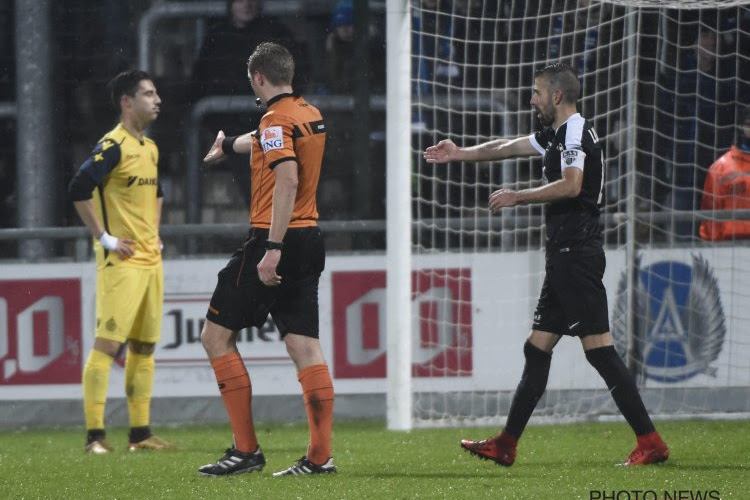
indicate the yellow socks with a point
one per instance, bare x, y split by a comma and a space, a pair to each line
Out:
95, 383
139, 385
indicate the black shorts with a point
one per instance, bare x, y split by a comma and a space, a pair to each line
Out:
573, 300
241, 300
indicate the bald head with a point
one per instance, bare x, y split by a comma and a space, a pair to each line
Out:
562, 77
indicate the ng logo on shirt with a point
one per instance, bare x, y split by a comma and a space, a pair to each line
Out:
272, 138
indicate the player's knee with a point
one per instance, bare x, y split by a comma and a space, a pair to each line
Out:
139, 347
601, 357
108, 347
534, 354
304, 351
216, 339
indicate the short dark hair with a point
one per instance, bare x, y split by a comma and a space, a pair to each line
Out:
274, 61
126, 83
562, 76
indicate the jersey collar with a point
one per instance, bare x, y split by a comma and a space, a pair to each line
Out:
568, 119
279, 97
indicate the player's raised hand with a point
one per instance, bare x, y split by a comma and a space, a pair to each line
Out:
442, 152
215, 152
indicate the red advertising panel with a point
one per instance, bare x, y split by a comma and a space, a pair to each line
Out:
40, 331
441, 310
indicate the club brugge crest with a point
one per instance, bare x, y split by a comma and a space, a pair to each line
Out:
679, 325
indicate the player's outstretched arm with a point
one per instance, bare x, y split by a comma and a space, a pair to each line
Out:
567, 187
443, 152
497, 149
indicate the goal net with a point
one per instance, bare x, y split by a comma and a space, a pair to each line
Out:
664, 84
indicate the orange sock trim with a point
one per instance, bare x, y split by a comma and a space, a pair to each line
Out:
237, 392
317, 389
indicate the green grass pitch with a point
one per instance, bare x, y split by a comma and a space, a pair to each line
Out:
554, 462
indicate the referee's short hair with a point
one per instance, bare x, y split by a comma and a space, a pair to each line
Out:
274, 61
126, 83
563, 77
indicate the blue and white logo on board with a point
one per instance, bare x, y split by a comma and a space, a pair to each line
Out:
678, 319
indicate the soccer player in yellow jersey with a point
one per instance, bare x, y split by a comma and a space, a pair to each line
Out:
277, 269
117, 194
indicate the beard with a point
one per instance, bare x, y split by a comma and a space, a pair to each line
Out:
546, 120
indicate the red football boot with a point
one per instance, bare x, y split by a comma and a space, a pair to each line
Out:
650, 450
500, 449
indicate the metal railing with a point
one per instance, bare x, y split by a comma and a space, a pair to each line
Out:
186, 10
491, 222
333, 102
230, 105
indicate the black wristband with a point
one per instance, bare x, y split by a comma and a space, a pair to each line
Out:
227, 145
274, 245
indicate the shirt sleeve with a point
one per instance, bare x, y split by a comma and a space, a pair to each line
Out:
539, 142
104, 158
277, 141
573, 155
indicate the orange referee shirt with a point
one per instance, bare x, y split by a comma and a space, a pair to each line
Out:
292, 129
727, 187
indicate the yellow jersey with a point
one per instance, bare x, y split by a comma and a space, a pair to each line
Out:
124, 171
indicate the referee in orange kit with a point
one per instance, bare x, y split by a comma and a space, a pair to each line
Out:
277, 269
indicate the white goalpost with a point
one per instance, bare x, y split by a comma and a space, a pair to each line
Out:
664, 83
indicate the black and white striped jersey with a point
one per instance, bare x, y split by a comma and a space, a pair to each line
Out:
573, 224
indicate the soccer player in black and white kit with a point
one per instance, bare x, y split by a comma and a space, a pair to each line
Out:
573, 300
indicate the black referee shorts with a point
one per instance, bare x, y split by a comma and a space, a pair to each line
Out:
241, 300
573, 300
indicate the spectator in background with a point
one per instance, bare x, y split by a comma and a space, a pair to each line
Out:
342, 63
218, 70
432, 44
728, 188
702, 109
223, 55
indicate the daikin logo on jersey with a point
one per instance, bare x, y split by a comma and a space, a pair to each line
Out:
442, 323
40, 331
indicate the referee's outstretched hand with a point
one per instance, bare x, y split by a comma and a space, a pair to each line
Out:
215, 152
442, 152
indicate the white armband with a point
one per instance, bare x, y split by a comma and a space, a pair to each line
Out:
108, 241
